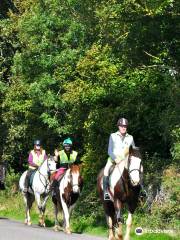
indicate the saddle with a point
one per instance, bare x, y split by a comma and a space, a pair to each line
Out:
58, 174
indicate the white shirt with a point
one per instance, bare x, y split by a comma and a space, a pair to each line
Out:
119, 145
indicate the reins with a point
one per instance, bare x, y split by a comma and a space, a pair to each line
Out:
48, 173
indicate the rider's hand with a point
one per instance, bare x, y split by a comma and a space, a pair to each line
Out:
118, 159
56, 153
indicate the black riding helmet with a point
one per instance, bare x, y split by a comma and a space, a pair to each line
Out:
37, 142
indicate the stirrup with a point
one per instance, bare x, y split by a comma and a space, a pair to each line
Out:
143, 193
106, 196
25, 190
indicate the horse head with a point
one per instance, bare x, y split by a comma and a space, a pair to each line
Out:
48, 166
51, 164
135, 168
75, 178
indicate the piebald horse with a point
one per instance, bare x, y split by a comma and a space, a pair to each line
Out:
40, 189
67, 192
124, 189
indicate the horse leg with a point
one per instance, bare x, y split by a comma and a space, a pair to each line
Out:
28, 199
110, 216
56, 226
66, 216
119, 233
110, 227
38, 200
128, 226
43, 208
118, 206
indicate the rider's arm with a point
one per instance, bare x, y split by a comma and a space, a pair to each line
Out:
56, 155
133, 144
111, 148
45, 155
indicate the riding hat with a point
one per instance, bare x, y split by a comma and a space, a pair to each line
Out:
122, 122
67, 141
37, 142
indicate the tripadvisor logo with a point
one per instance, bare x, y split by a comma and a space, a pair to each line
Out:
139, 231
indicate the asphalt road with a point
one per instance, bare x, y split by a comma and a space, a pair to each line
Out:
14, 230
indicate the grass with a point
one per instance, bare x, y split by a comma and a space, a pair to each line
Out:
12, 206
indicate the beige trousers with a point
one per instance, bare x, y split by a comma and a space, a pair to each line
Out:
107, 167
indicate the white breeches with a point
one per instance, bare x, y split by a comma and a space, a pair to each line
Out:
107, 167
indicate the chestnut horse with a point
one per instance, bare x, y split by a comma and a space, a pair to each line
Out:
124, 189
67, 192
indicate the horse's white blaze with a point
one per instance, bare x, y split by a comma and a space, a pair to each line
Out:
75, 182
116, 174
134, 170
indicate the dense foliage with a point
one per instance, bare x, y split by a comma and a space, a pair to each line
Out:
72, 68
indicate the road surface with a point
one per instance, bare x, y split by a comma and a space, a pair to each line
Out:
14, 230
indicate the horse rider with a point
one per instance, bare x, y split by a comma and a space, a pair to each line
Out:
35, 159
118, 150
64, 158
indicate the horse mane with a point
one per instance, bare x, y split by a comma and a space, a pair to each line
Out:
135, 151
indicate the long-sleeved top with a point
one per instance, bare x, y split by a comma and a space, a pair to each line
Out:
35, 159
119, 146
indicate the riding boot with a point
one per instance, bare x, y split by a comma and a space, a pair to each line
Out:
26, 184
54, 187
105, 188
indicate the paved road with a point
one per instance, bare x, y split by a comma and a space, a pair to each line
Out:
14, 230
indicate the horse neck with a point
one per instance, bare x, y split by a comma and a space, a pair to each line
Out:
43, 168
117, 172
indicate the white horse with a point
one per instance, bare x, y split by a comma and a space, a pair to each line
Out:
40, 189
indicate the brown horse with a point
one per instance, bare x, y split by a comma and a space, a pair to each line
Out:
67, 192
124, 189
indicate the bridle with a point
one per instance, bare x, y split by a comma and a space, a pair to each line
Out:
135, 169
48, 173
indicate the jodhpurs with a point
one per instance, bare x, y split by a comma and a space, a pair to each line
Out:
107, 167
27, 179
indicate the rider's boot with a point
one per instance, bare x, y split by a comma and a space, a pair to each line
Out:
105, 188
26, 184
53, 187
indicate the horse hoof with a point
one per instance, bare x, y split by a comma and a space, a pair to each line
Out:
56, 228
42, 224
67, 231
29, 223
111, 238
